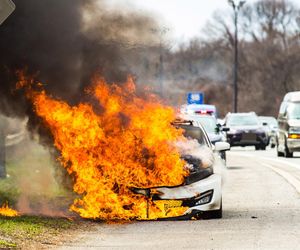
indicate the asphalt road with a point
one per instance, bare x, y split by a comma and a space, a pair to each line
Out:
261, 211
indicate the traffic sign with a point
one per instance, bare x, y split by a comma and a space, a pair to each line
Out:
195, 98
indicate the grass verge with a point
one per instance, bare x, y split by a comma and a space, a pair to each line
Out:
28, 231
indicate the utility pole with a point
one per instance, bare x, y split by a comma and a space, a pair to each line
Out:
236, 7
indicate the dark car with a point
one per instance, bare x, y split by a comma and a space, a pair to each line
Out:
245, 129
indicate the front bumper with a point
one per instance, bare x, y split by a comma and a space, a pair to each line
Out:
192, 194
244, 139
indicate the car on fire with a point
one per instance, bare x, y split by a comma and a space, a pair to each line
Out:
212, 128
201, 192
245, 129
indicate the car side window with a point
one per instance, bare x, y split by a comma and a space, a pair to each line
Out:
283, 109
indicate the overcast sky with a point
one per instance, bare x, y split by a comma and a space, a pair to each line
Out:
185, 18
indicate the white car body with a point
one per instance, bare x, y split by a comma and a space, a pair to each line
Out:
203, 196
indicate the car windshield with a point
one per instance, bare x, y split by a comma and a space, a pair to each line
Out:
208, 123
271, 121
293, 111
192, 132
242, 120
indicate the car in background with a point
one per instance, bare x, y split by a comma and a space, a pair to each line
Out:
270, 124
245, 129
201, 192
212, 128
289, 125
199, 109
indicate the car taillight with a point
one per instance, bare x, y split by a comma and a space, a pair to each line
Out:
294, 136
204, 112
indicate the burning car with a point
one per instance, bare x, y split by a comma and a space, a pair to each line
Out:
201, 192
167, 168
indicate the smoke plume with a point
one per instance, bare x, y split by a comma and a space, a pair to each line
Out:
63, 43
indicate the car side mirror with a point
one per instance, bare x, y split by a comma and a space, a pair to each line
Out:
222, 146
225, 129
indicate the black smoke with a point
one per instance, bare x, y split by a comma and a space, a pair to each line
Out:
64, 43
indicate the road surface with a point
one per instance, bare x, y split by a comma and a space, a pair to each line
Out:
261, 211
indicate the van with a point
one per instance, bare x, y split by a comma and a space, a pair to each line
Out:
289, 125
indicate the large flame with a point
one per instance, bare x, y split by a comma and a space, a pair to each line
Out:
119, 142
5, 210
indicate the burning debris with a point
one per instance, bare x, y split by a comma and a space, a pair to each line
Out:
117, 142
5, 210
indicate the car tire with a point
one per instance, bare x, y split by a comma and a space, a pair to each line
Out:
223, 156
287, 153
214, 214
263, 147
273, 145
257, 147
279, 154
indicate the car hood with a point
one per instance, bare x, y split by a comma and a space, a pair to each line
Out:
247, 128
294, 123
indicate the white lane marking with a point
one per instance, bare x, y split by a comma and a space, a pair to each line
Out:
290, 178
269, 159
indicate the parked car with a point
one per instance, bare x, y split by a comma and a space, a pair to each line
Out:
201, 191
244, 129
289, 125
271, 126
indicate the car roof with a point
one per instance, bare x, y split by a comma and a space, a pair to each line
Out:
192, 117
241, 114
292, 97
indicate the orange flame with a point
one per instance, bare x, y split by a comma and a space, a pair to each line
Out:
8, 212
122, 141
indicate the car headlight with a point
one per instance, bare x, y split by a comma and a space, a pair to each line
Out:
232, 131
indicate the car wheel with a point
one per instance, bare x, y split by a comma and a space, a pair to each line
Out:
279, 154
214, 214
287, 152
257, 147
263, 147
223, 156
273, 145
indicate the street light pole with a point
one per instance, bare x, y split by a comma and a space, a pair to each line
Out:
236, 8
161, 32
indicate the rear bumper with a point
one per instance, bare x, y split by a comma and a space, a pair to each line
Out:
293, 145
190, 194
